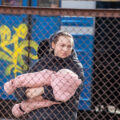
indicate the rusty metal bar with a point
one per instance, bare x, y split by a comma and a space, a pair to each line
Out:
60, 11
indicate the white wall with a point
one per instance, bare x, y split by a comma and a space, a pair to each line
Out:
78, 4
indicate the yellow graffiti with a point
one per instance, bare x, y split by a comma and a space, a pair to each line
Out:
15, 56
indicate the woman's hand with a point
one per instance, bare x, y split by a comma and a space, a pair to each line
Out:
34, 92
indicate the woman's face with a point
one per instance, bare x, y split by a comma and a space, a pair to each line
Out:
63, 47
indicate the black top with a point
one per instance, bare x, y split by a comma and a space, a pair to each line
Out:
63, 111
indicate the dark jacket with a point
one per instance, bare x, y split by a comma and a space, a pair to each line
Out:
63, 111
43, 48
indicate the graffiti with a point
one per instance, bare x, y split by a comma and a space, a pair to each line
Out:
19, 46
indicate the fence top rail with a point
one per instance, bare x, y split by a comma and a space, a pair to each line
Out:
60, 11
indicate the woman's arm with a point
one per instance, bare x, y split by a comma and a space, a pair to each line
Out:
46, 92
34, 92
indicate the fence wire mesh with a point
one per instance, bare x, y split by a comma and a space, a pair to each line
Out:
26, 39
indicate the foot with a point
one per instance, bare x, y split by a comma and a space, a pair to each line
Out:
8, 87
16, 111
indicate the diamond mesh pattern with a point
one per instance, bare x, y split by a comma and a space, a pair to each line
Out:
97, 44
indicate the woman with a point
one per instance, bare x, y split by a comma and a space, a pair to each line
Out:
62, 56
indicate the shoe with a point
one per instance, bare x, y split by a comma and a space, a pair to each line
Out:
8, 87
16, 111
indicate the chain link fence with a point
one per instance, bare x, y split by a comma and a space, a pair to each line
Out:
96, 35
